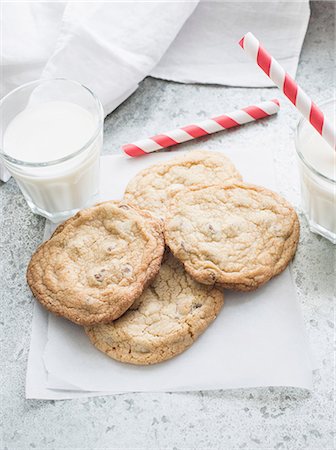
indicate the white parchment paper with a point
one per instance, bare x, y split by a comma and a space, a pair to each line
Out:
257, 340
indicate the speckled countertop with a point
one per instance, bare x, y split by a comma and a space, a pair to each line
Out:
271, 418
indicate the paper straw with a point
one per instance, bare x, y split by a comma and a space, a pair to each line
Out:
289, 87
204, 128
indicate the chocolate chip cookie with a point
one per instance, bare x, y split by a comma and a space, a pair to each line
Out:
97, 263
170, 314
236, 237
149, 188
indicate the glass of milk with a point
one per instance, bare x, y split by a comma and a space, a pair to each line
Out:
51, 138
317, 166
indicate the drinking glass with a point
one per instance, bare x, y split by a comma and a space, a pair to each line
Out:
318, 191
55, 189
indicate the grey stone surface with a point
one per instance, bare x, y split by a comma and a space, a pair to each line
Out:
251, 419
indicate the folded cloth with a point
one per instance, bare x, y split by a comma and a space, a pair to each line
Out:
111, 46
206, 50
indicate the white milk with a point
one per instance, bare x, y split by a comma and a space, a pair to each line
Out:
318, 182
47, 132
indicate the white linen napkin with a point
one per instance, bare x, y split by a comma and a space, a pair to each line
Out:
206, 49
111, 46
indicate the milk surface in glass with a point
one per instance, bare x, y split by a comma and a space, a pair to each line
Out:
52, 149
317, 166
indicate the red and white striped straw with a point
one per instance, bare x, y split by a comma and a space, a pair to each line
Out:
204, 128
289, 87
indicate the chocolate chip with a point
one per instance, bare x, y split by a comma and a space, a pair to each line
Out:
183, 246
98, 276
127, 269
196, 306
212, 275
211, 228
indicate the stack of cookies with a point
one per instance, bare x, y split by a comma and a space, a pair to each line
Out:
145, 276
